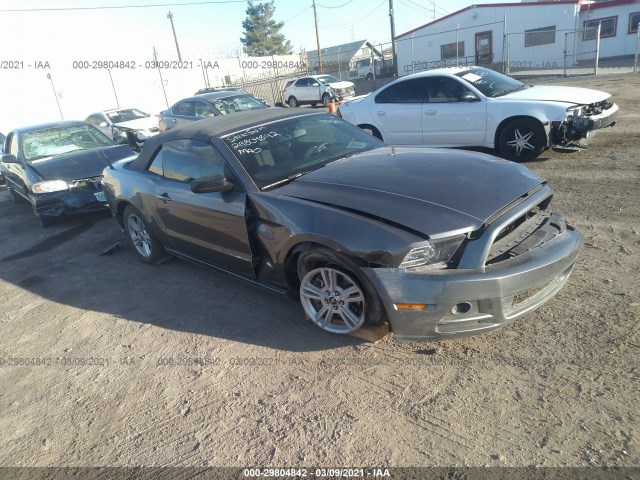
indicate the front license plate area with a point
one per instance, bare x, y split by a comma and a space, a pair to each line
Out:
100, 196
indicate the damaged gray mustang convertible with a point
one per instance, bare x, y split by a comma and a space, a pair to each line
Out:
440, 243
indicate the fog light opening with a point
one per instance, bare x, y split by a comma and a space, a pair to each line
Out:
461, 308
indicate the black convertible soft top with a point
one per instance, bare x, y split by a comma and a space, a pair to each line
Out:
218, 126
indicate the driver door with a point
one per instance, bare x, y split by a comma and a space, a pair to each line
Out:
209, 227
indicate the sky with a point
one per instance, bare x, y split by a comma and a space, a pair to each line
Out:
50, 37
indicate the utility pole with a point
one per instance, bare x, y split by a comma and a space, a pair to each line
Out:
113, 85
393, 39
315, 16
434, 10
55, 95
155, 59
170, 17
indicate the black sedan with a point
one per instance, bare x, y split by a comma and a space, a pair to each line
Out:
57, 167
440, 243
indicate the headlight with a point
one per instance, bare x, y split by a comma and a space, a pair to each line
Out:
432, 254
50, 186
575, 111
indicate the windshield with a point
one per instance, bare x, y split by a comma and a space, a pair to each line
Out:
278, 152
327, 79
491, 83
49, 142
126, 114
239, 103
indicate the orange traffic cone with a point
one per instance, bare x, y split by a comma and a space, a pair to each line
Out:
332, 107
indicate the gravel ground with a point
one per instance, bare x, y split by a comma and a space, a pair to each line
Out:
113, 372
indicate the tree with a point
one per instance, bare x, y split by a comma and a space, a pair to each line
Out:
262, 35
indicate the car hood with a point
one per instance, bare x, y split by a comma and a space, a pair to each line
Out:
575, 95
139, 123
83, 164
431, 191
342, 84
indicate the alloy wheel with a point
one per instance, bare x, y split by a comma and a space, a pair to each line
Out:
332, 300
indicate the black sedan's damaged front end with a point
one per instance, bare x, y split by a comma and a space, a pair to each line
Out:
81, 196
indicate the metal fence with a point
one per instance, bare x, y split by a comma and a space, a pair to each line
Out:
558, 52
536, 51
578, 57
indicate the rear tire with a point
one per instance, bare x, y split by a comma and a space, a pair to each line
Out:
335, 294
373, 131
522, 140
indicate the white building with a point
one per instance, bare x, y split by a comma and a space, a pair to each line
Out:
523, 36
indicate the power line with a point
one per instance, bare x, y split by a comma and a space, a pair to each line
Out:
337, 27
116, 7
298, 14
338, 6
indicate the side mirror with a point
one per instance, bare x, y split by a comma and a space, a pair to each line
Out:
468, 97
211, 183
9, 158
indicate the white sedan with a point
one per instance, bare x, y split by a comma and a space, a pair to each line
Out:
478, 107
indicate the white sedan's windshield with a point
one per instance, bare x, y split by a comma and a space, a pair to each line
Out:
490, 82
126, 115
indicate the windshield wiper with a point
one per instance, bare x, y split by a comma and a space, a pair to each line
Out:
519, 87
290, 178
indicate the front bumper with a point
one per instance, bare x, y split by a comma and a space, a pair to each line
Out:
73, 201
605, 119
495, 295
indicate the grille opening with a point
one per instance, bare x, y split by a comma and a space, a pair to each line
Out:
532, 229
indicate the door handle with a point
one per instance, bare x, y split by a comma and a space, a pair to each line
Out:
381, 113
430, 113
164, 197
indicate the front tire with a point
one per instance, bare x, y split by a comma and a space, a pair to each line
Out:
293, 102
46, 220
326, 99
17, 198
335, 294
522, 140
147, 248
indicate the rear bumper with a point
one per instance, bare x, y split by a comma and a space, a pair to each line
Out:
493, 296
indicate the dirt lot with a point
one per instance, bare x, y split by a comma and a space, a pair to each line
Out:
99, 332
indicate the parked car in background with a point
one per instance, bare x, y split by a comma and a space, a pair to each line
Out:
317, 89
443, 243
230, 89
2, 139
478, 107
129, 126
57, 167
207, 105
